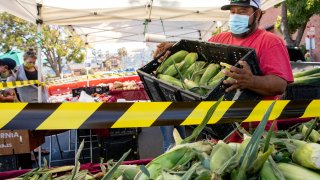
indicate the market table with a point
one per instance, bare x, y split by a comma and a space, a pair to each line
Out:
67, 87
130, 95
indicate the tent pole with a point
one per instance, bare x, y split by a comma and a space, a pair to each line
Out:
38, 41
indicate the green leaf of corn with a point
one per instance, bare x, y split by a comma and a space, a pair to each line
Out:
114, 168
204, 122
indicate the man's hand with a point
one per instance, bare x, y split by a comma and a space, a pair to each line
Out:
162, 47
242, 78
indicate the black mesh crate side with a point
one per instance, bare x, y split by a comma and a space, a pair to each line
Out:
76, 92
169, 92
101, 89
302, 92
151, 86
116, 146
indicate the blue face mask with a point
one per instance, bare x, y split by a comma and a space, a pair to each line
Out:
239, 23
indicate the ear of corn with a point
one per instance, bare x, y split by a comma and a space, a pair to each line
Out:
190, 171
306, 73
294, 172
198, 146
267, 173
310, 132
170, 80
171, 70
308, 155
188, 156
226, 65
60, 169
188, 73
166, 175
165, 161
307, 80
259, 161
221, 152
196, 78
188, 61
175, 58
126, 171
234, 146
211, 71
203, 174
194, 87
205, 159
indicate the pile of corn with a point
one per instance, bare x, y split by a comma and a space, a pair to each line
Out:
293, 155
263, 155
184, 71
310, 77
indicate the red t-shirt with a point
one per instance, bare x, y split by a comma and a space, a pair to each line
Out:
272, 53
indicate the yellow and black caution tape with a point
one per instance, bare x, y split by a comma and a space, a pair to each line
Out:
15, 84
45, 116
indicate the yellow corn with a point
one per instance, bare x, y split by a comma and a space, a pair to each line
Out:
295, 172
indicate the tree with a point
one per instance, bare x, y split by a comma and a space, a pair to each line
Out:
107, 55
15, 33
122, 52
57, 43
295, 16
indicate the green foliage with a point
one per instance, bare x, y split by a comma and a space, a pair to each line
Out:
56, 42
299, 12
298, 15
122, 52
15, 32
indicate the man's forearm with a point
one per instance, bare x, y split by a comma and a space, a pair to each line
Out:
269, 85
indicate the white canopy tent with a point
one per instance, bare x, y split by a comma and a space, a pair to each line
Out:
127, 20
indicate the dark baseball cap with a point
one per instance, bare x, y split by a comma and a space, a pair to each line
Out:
245, 3
9, 62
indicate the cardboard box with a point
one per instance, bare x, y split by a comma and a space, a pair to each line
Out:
17, 142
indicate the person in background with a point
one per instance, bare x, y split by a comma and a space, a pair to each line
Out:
29, 71
7, 66
271, 51
167, 135
307, 56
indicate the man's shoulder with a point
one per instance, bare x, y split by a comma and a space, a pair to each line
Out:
269, 36
220, 36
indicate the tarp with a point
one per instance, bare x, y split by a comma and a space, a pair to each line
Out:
124, 20
15, 55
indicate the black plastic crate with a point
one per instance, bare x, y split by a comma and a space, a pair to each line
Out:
8, 162
159, 90
90, 90
302, 92
115, 147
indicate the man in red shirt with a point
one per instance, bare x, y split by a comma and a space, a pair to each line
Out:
271, 51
